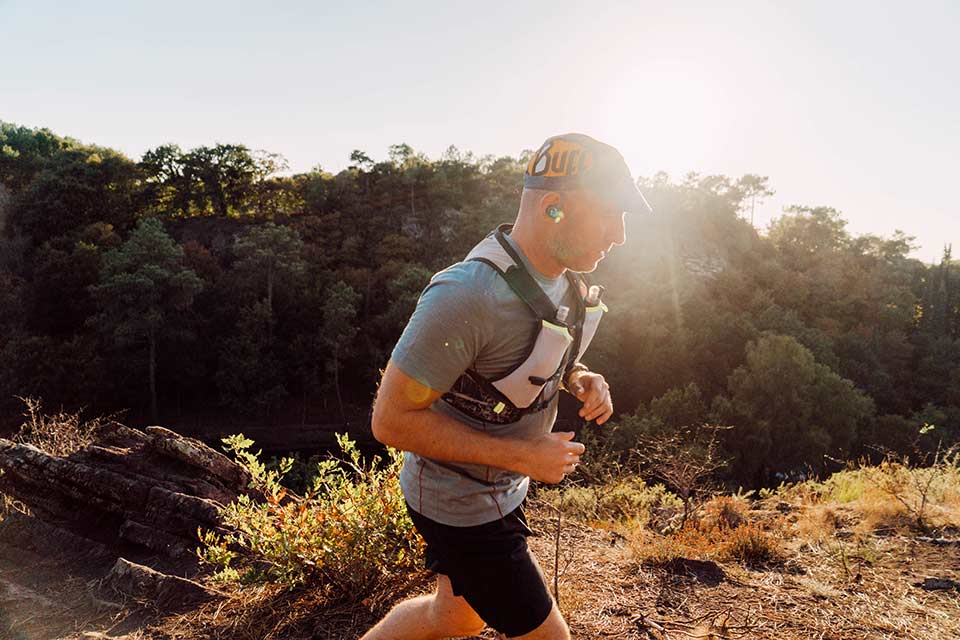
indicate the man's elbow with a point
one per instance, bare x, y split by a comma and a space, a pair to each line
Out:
383, 428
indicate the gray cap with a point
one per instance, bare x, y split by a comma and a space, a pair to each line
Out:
577, 161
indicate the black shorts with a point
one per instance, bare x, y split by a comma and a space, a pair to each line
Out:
492, 568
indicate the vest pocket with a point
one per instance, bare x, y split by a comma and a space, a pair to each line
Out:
542, 363
590, 323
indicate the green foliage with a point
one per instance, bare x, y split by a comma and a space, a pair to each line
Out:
63, 185
680, 407
308, 279
70, 370
348, 535
339, 313
222, 180
789, 408
250, 376
404, 289
338, 331
143, 288
268, 254
142, 283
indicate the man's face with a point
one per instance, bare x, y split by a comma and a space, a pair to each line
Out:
590, 228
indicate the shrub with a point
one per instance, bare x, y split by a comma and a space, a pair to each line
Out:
725, 511
893, 494
750, 544
845, 486
712, 537
626, 500
350, 534
918, 489
58, 434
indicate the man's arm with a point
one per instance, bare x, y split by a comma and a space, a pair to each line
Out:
402, 419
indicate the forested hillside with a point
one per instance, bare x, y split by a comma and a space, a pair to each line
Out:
207, 285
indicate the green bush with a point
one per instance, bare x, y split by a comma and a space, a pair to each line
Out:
349, 534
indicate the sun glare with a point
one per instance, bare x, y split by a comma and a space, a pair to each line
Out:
670, 117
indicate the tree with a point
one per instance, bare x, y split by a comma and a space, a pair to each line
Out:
806, 232
403, 157
222, 180
752, 187
789, 410
694, 286
249, 372
64, 270
169, 188
143, 284
361, 160
683, 458
77, 187
680, 407
24, 152
225, 174
338, 330
268, 253
403, 291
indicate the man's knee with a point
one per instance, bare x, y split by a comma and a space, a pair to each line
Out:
553, 628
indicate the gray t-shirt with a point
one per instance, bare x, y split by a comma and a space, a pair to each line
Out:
470, 318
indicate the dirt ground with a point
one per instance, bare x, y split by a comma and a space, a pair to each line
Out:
845, 587
607, 594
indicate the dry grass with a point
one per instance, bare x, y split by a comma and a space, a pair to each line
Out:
890, 497
624, 501
58, 434
844, 588
269, 612
10, 505
833, 576
721, 530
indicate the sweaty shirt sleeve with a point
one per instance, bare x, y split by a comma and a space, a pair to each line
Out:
447, 330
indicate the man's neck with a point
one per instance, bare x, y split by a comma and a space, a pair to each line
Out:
534, 249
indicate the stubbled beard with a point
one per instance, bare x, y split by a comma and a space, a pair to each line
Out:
566, 253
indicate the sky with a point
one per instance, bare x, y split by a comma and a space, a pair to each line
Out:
852, 105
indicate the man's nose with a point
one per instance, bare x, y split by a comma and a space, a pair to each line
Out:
617, 230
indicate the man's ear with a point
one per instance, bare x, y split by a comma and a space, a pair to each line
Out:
550, 206
549, 199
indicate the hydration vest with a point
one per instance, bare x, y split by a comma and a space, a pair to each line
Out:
561, 337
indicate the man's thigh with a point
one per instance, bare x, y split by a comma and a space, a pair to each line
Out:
454, 611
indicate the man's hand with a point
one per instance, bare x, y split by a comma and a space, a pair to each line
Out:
552, 456
593, 391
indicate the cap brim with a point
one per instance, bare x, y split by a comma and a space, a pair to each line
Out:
633, 201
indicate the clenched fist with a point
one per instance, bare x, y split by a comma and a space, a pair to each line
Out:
552, 456
593, 391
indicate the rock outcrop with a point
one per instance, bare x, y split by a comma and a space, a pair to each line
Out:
120, 514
